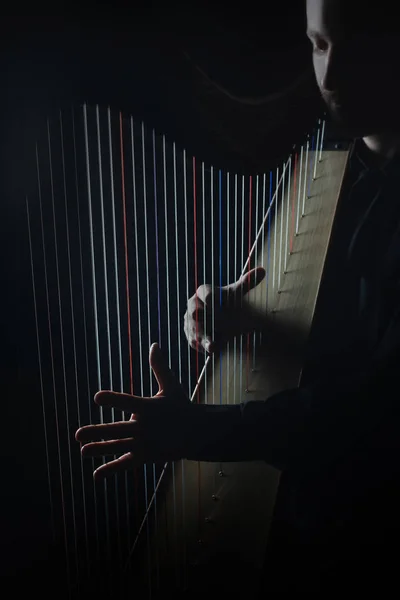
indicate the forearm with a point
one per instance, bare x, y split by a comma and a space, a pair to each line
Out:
303, 427
247, 431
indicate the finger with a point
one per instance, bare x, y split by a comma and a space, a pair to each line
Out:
208, 344
196, 345
193, 325
123, 463
108, 431
126, 462
166, 378
205, 294
125, 402
197, 315
107, 448
250, 280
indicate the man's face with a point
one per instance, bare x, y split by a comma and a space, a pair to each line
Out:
357, 71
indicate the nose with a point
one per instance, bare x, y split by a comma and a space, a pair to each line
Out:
330, 75
334, 74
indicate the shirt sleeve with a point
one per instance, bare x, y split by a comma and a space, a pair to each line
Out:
303, 427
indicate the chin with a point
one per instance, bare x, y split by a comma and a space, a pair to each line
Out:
353, 124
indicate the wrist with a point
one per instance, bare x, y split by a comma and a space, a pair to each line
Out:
210, 429
253, 320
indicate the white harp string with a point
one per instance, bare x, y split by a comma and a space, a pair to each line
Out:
39, 349
316, 152
60, 314
85, 337
263, 244
236, 276
118, 311
300, 179
68, 571
71, 297
289, 188
241, 297
322, 140
212, 281
169, 339
146, 244
305, 175
106, 295
256, 263
228, 275
282, 205
95, 305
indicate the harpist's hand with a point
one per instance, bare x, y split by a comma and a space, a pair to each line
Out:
230, 319
158, 431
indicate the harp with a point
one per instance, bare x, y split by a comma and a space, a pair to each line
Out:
122, 226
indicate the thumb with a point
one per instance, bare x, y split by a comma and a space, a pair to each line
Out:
249, 280
166, 379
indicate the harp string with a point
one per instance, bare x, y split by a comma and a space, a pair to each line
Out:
275, 231
53, 377
204, 272
156, 231
282, 206
212, 283
139, 313
146, 243
196, 285
248, 277
228, 242
322, 140
254, 335
310, 178
300, 176
39, 349
220, 271
317, 149
196, 278
119, 337
159, 340
235, 273
241, 298
175, 524
287, 243
60, 315
263, 204
180, 362
74, 352
294, 211
85, 339
305, 175
106, 297
220, 284
269, 238
95, 307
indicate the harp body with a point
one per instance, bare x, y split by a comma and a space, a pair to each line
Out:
110, 231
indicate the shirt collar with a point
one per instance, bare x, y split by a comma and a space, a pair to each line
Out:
361, 154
